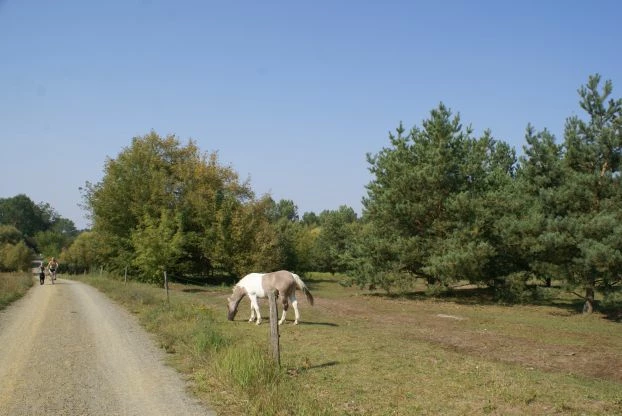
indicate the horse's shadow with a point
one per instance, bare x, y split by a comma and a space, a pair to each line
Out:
323, 365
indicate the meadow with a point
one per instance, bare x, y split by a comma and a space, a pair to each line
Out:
364, 353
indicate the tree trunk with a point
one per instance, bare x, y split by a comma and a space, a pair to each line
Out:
588, 306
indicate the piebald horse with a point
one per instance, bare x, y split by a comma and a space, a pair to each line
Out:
258, 285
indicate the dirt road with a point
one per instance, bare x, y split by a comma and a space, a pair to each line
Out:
65, 349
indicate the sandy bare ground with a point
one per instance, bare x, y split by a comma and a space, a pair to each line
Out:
66, 349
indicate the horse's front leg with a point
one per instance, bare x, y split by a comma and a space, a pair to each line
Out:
252, 318
255, 308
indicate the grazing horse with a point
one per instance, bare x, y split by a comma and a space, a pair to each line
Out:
258, 285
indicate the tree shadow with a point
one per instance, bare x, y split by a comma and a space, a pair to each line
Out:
318, 323
195, 290
468, 296
216, 280
614, 315
488, 296
294, 371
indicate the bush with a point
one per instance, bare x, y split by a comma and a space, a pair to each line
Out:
612, 301
513, 289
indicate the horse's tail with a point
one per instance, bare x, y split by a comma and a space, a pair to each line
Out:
301, 285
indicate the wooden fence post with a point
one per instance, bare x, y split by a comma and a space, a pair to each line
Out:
166, 285
274, 329
125, 276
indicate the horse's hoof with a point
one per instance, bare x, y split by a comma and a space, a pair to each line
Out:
295, 322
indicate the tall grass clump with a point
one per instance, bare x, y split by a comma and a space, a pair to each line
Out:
258, 382
13, 286
247, 367
207, 339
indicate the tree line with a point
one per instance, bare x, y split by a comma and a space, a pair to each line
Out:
443, 205
29, 230
163, 205
449, 207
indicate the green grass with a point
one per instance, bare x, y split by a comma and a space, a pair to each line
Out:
13, 286
360, 353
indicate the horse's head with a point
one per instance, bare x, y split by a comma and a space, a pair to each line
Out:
232, 308
233, 301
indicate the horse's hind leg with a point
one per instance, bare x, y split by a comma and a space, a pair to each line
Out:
296, 313
285, 307
255, 307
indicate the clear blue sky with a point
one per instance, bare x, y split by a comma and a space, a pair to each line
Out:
291, 94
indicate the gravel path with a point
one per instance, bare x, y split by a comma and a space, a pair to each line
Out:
66, 349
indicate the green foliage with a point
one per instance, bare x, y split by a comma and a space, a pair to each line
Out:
20, 212
577, 185
39, 226
51, 243
613, 301
434, 204
336, 233
85, 253
285, 209
158, 245
10, 235
15, 257
305, 240
310, 219
164, 205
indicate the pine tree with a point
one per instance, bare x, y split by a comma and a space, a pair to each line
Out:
589, 227
432, 207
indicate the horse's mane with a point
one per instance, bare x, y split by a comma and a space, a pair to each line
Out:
239, 291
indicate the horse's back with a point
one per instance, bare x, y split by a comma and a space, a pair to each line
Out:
252, 283
281, 280
259, 284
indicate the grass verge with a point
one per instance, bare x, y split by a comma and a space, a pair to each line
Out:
13, 286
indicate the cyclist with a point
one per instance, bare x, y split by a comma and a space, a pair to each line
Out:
52, 266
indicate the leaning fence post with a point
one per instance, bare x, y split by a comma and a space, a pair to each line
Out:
274, 329
166, 285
